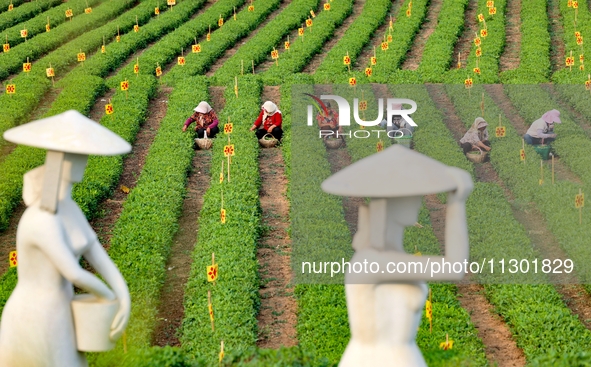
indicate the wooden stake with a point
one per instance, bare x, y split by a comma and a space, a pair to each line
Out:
552, 168
229, 168
209, 304
459, 60
431, 318
541, 172
482, 105
580, 209
241, 67
236, 86
523, 147
348, 65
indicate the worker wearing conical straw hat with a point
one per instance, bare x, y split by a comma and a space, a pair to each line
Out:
384, 300
37, 327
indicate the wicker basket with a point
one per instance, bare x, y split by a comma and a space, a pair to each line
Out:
204, 144
268, 143
476, 158
333, 143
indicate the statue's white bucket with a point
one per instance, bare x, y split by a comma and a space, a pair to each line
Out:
92, 320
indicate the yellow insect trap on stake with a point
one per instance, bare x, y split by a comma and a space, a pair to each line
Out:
12, 259
212, 270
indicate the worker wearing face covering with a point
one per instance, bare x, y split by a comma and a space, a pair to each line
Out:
476, 137
268, 122
543, 129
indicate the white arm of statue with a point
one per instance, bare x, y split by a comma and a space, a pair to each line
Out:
49, 231
422, 268
101, 262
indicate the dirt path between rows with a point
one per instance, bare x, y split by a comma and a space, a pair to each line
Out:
574, 295
376, 40
132, 167
231, 51
500, 348
464, 44
495, 91
556, 35
339, 32
415, 53
510, 56
277, 316
171, 309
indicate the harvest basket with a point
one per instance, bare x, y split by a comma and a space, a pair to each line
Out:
333, 143
476, 156
204, 143
543, 150
268, 141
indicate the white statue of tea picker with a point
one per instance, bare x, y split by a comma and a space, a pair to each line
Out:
44, 323
384, 306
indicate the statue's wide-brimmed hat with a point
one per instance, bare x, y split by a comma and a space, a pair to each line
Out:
394, 172
69, 132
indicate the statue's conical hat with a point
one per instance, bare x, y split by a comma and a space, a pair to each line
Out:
69, 132
394, 172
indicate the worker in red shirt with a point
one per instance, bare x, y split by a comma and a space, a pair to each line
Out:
268, 122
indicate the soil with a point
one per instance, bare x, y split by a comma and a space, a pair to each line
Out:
495, 91
217, 97
415, 54
335, 38
377, 38
171, 309
510, 56
557, 55
500, 348
231, 51
132, 167
277, 316
464, 44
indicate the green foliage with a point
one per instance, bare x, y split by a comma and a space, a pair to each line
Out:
30, 88
583, 25
222, 39
403, 34
4, 4
170, 46
25, 12
65, 55
534, 66
37, 25
439, 49
259, 47
235, 296
301, 53
492, 47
